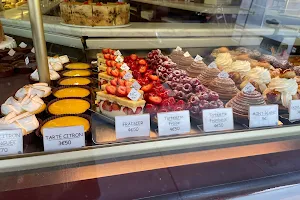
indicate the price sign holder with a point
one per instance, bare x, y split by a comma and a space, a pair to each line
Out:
263, 116
63, 138
132, 126
294, 110
11, 142
220, 119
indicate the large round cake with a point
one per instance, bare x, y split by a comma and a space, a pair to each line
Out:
91, 14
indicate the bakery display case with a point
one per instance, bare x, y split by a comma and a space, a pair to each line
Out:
121, 85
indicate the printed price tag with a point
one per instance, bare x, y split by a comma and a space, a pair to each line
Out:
173, 123
63, 138
223, 74
118, 53
33, 50
134, 94
132, 126
136, 85
11, 142
11, 52
125, 67
220, 119
198, 58
248, 88
23, 45
294, 110
212, 65
26, 60
127, 76
260, 116
119, 59
178, 48
187, 54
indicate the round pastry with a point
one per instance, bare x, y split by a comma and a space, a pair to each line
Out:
223, 60
242, 57
267, 58
225, 87
185, 62
176, 56
208, 75
21, 67
77, 66
68, 106
75, 81
240, 66
264, 64
67, 92
23, 50
259, 75
223, 50
76, 72
64, 121
196, 68
236, 77
287, 74
11, 59
255, 54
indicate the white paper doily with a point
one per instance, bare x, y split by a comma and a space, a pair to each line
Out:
8, 43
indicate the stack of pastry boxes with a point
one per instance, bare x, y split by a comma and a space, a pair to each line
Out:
114, 99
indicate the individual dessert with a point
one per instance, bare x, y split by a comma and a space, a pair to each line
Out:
42, 90
288, 73
225, 87
67, 92
64, 121
99, 14
6, 70
176, 55
27, 122
11, 59
24, 50
281, 91
23, 68
54, 76
196, 68
68, 106
207, 75
243, 100
77, 66
259, 75
74, 81
240, 66
223, 58
31, 57
56, 62
185, 61
76, 72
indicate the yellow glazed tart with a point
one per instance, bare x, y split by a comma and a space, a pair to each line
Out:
75, 81
67, 121
78, 66
72, 92
77, 72
68, 106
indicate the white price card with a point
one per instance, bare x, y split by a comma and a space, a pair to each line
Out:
178, 48
261, 116
62, 138
220, 119
127, 76
26, 60
33, 50
136, 85
11, 52
125, 67
248, 88
294, 110
187, 54
11, 142
134, 94
118, 53
132, 126
23, 45
174, 123
119, 59
198, 58
212, 65
223, 74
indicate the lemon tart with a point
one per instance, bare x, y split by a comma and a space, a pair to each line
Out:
77, 72
67, 121
75, 81
78, 66
72, 92
68, 106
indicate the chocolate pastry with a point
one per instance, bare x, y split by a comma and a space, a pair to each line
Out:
11, 59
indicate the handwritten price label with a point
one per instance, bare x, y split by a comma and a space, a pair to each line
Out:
187, 54
136, 85
248, 88
178, 48
223, 74
23, 45
11, 52
212, 65
11, 142
125, 67
198, 58
261, 116
127, 76
294, 110
132, 126
63, 138
119, 59
118, 53
134, 94
220, 119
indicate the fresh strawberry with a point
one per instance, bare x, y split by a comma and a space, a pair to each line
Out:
108, 63
136, 75
125, 110
115, 72
122, 73
147, 88
110, 89
143, 69
133, 57
156, 83
118, 65
121, 91
153, 77
108, 70
180, 104
130, 111
106, 106
172, 100
114, 82
128, 83
163, 94
113, 63
115, 106
110, 51
121, 82
150, 108
165, 103
155, 99
162, 110
142, 62
177, 108
107, 56
138, 110
111, 57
